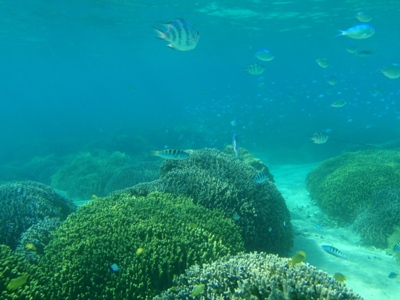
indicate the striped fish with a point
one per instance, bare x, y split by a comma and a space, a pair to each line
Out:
333, 251
180, 34
171, 154
259, 178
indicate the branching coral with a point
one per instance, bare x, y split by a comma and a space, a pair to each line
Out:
345, 185
149, 239
257, 276
88, 173
377, 222
218, 181
24, 204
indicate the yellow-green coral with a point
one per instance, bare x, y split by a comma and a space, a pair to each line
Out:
87, 173
217, 180
344, 186
173, 233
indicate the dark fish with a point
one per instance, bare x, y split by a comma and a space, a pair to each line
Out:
364, 53
333, 251
171, 154
396, 247
259, 177
180, 34
393, 275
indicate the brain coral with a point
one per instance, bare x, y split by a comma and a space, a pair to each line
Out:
217, 180
26, 203
149, 239
344, 186
256, 276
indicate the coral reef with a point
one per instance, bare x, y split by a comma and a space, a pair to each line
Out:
127, 247
88, 173
32, 242
256, 276
344, 186
251, 160
16, 277
25, 204
129, 176
218, 181
378, 221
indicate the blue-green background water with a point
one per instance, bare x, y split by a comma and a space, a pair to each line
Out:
75, 73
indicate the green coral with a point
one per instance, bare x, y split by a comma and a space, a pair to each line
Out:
26, 203
344, 186
172, 232
13, 267
218, 181
257, 276
376, 223
129, 176
88, 173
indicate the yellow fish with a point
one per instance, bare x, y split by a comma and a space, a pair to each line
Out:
198, 290
338, 104
322, 62
340, 277
17, 282
299, 257
139, 251
31, 247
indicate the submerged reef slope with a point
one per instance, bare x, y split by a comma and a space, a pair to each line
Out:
218, 181
26, 203
256, 276
345, 186
128, 247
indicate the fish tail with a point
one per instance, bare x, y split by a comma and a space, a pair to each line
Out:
342, 32
155, 152
160, 34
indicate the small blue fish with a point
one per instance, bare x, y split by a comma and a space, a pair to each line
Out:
396, 247
359, 32
393, 275
114, 268
333, 251
259, 178
235, 145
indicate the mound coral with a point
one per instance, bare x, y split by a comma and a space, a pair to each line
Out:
26, 203
344, 186
134, 174
376, 223
127, 247
88, 173
256, 276
219, 181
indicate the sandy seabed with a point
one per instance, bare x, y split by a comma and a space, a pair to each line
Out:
367, 268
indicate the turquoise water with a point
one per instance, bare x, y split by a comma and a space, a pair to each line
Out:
82, 71
87, 91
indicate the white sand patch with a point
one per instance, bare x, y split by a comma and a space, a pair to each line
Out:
366, 268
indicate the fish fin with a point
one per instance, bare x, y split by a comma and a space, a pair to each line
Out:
154, 152
342, 32
160, 34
